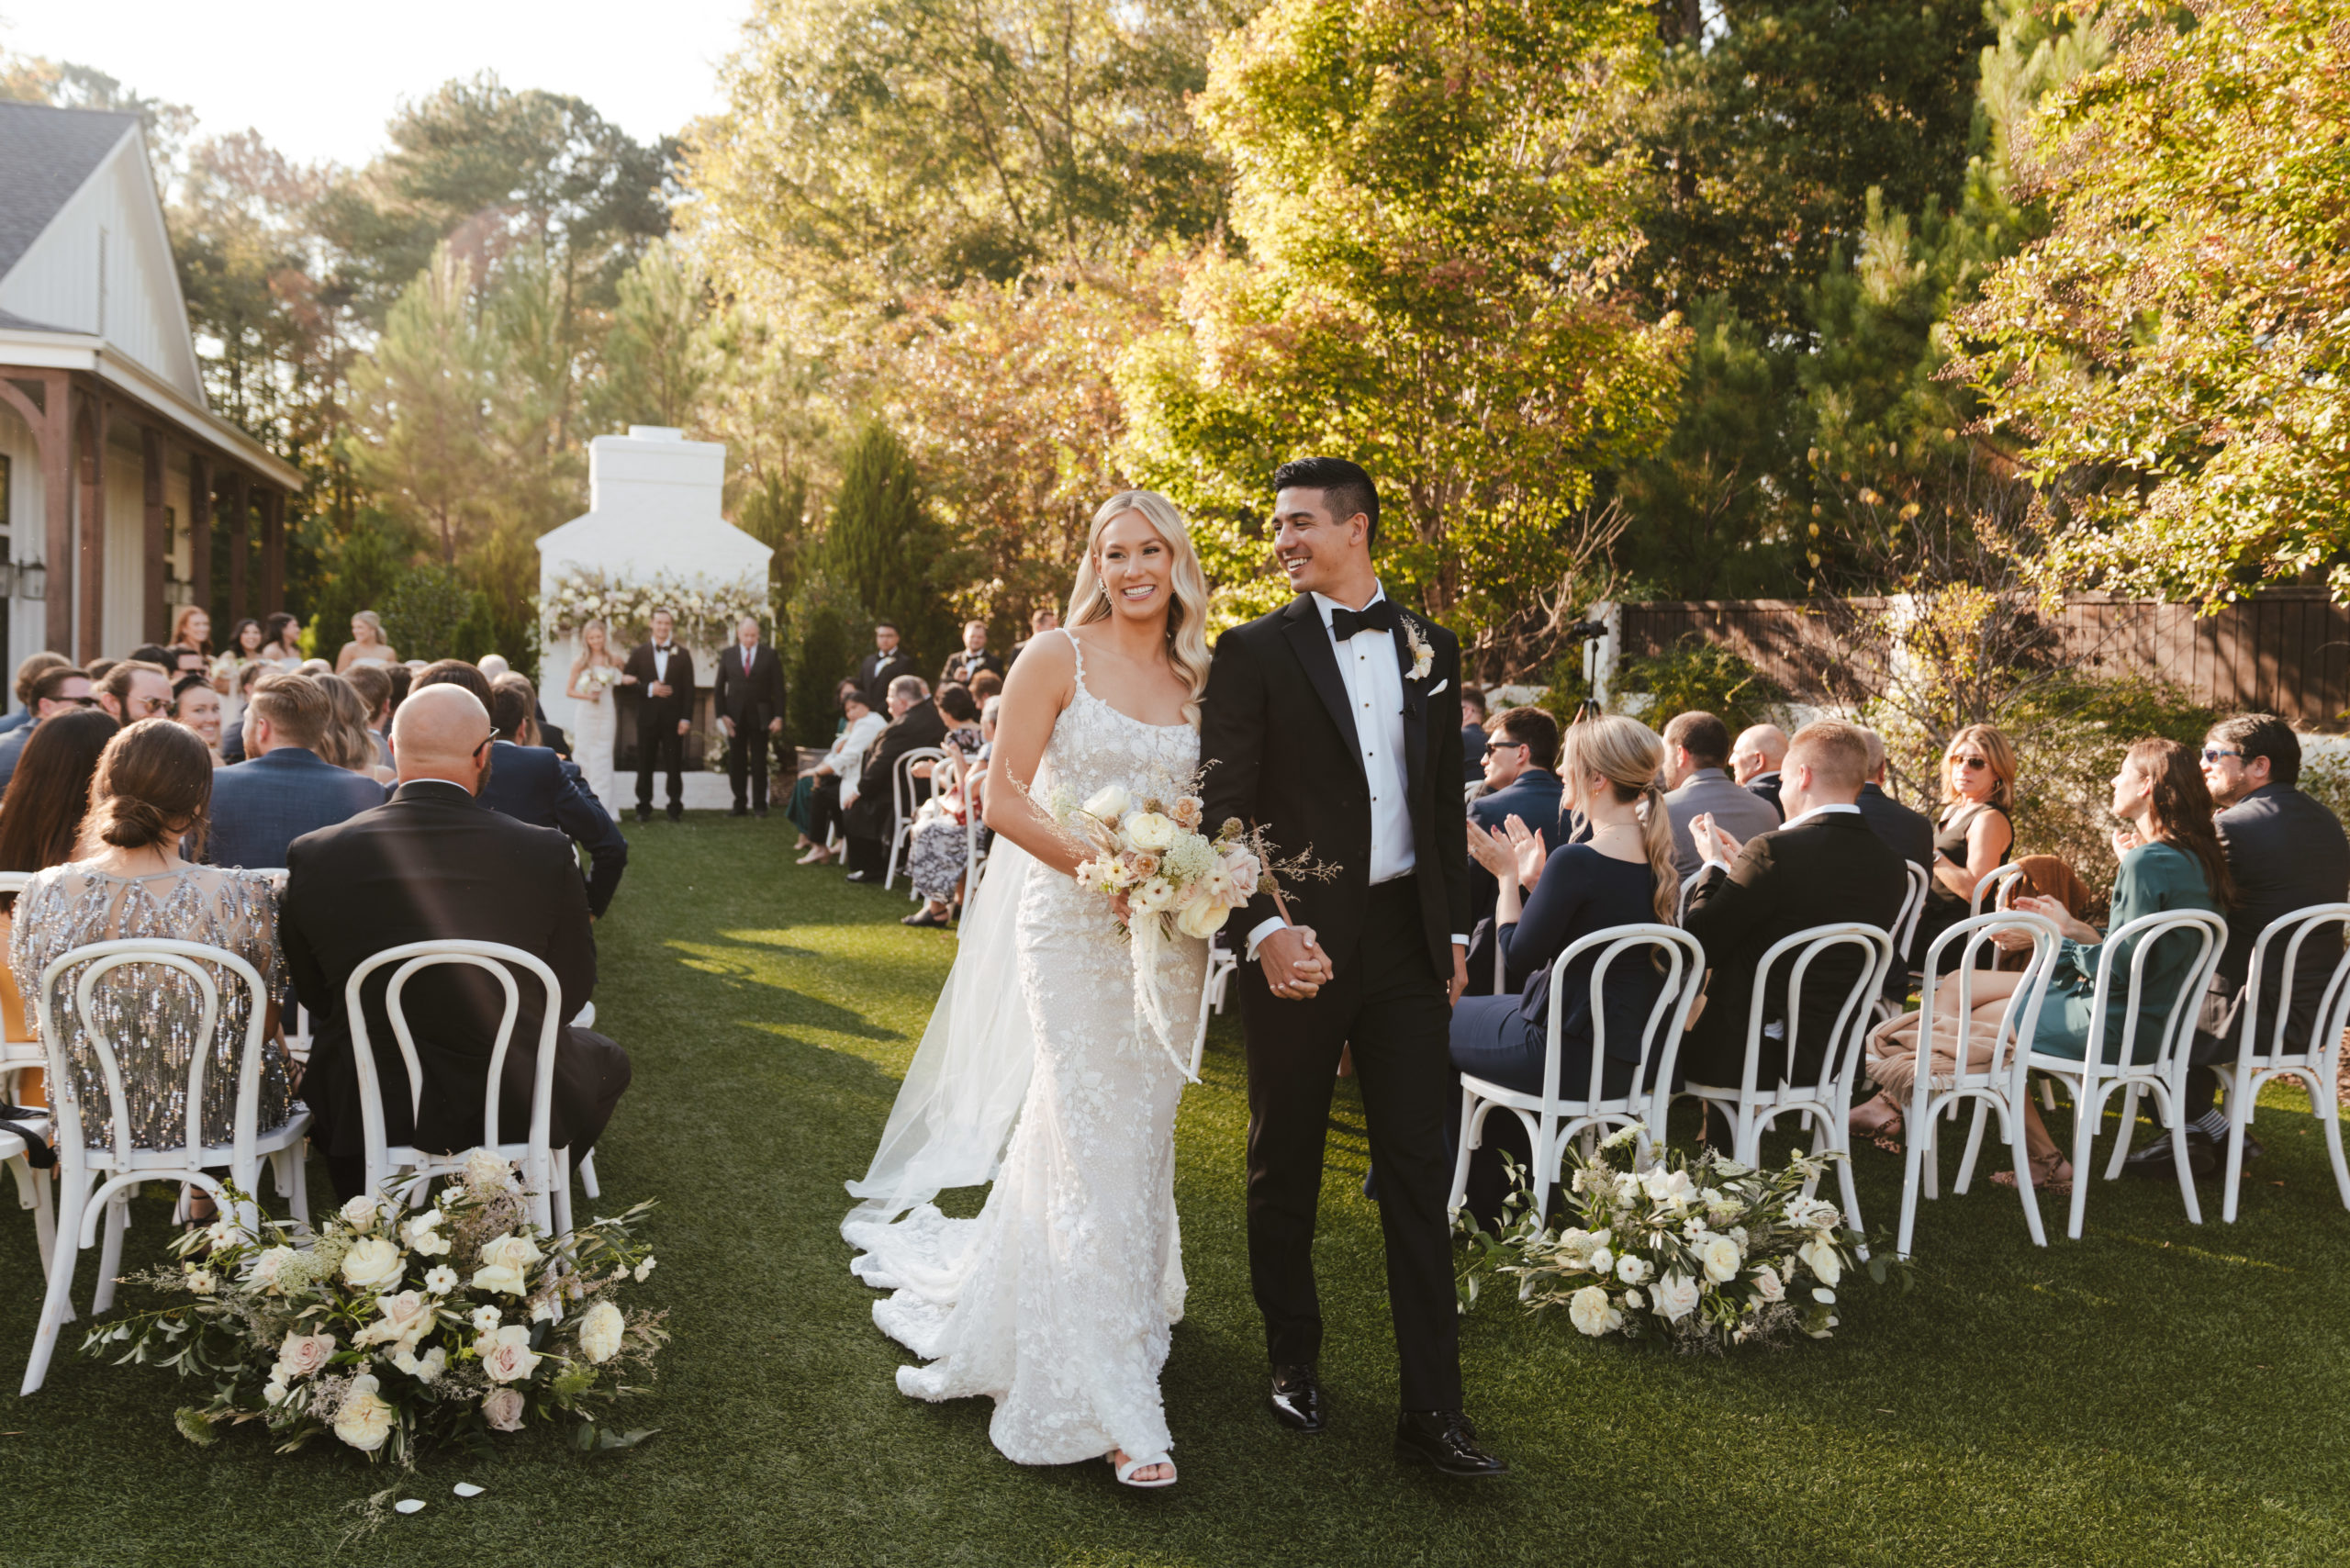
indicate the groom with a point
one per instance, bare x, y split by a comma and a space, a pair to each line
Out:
1318, 727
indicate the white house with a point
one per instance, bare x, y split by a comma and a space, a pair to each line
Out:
113, 471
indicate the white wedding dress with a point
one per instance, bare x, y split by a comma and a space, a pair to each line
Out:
593, 728
1058, 1300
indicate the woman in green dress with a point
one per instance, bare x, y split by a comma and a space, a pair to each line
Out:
2170, 859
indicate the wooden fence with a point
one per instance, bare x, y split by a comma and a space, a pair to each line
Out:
2286, 651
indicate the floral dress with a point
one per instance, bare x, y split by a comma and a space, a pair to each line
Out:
940, 849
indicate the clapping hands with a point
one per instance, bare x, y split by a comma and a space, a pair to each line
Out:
1715, 847
1512, 852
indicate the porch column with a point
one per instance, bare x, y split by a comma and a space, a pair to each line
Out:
236, 491
157, 615
90, 567
272, 550
199, 531
52, 429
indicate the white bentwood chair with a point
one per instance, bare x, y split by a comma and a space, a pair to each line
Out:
1824, 1098
1997, 888
123, 1166
1904, 937
1934, 1097
2092, 1079
1561, 1113
17, 1057
546, 1172
2263, 1052
903, 802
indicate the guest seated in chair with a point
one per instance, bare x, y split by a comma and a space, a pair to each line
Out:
1975, 836
1825, 866
1520, 760
820, 794
914, 722
1697, 748
2170, 859
287, 788
433, 862
940, 848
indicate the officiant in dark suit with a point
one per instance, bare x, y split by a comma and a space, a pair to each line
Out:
433, 863
748, 695
968, 661
885, 663
665, 671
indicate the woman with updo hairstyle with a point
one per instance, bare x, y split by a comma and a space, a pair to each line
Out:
148, 801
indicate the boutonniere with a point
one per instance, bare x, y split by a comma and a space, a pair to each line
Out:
1423, 655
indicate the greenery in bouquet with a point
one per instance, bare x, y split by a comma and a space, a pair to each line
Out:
1705, 1254
705, 613
399, 1328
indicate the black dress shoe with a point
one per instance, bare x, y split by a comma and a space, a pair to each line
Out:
1297, 1400
677, 813
760, 812
2153, 1160
740, 812
643, 814
1445, 1439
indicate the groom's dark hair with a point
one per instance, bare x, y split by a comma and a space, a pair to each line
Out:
1344, 486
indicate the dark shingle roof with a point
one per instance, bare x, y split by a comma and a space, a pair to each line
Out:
45, 156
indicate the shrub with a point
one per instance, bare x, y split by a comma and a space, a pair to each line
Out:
428, 612
828, 633
1701, 677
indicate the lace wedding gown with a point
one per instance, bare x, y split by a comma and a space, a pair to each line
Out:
593, 728
1058, 1300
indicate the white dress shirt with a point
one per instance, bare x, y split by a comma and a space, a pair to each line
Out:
1821, 810
1373, 674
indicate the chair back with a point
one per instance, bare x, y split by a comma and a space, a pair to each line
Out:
197, 961
1872, 946
2142, 936
500, 961
901, 784
1683, 974
20, 1053
1950, 1002
1681, 909
1913, 910
1998, 887
2279, 954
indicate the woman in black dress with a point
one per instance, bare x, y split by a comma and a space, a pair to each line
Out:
1975, 835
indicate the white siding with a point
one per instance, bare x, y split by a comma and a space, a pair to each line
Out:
24, 522
124, 596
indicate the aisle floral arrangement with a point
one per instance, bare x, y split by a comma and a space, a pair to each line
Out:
401, 1328
1705, 1253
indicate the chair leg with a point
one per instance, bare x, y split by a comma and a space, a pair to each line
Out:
32, 1192
2047, 1095
587, 1175
1913, 1167
1839, 1142
2239, 1113
2011, 1126
56, 1303
2122, 1137
561, 1193
1974, 1147
1461, 1158
2178, 1155
2089, 1108
110, 1254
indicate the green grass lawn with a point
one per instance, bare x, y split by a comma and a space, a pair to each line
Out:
2155, 1393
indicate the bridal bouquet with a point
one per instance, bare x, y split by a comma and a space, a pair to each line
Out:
1707, 1253
1176, 880
397, 1327
599, 678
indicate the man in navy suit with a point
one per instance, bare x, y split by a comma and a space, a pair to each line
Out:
284, 789
1472, 735
1521, 759
532, 784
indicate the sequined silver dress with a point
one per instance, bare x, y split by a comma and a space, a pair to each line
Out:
150, 1014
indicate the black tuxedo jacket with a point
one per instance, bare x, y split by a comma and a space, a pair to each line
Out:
532, 784
878, 671
1280, 749
962, 665
679, 703
433, 862
749, 697
1821, 870
867, 816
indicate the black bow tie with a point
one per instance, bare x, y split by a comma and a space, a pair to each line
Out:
1379, 615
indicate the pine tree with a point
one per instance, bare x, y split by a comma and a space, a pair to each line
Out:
884, 547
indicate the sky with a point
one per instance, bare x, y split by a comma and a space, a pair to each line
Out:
319, 82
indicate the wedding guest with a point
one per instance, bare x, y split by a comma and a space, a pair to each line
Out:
1520, 759
2284, 852
367, 644
1974, 835
1039, 622
867, 821
532, 784
972, 659
244, 650
40, 815
314, 667
2170, 859
665, 671
233, 736
152, 785
167, 659
1755, 760
939, 852
31, 670
372, 685
192, 630
1472, 735
986, 685
959, 710
1824, 866
97, 668
885, 663
833, 783
1907, 834
1622, 875
399, 675
349, 741
492, 665
132, 689
60, 688
747, 693
432, 864
1697, 747
286, 788
196, 705
282, 640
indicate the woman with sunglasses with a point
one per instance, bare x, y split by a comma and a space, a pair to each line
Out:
1975, 835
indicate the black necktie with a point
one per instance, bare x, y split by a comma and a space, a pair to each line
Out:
1379, 615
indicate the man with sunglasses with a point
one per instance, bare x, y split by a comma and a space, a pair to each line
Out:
1521, 760
62, 690
2286, 851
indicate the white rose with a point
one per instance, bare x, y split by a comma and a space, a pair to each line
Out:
502, 1408
486, 1171
1720, 1257
273, 1392
1676, 1296
365, 1419
1203, 916
486, 1319
426, 1369
1150, 830
600, 1332
406, 1315
511, 1357
372, 1263
1601, 1261
1632, 1270
359, 1214
516, 1252
1589, 1310
1109, 802
263, 1274
440, 1279
499, 1278
1632, 1300
1768, 1285
1822, 1260
302, 1354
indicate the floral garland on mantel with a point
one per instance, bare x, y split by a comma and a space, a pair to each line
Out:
706, 612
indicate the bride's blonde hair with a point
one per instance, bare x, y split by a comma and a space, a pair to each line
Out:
1187, 618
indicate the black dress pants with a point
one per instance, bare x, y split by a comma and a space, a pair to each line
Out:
658, 742
748, 754
1387, 1000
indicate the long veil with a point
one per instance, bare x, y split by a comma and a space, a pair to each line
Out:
963, 1091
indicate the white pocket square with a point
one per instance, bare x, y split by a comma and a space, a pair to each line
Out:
1440, 686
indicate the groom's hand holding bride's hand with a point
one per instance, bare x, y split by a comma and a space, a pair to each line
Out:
1295, 966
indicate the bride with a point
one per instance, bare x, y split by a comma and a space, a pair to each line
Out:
593, 724
1058, 1300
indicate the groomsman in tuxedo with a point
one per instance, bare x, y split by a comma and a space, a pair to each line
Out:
748, 695
885, 663
971, 658
665, 671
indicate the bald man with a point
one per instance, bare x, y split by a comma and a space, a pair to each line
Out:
1755, 761
432, 862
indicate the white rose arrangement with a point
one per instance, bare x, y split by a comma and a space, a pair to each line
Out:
1705, 1253
395, 1328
